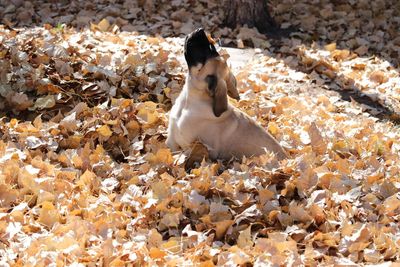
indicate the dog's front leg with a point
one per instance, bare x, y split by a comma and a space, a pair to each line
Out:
172, 144
171, 138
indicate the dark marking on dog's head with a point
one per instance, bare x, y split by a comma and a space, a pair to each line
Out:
198, 48
212, 82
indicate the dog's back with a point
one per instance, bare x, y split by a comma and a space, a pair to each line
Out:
248, 139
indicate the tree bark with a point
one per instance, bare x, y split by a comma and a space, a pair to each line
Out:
253, 13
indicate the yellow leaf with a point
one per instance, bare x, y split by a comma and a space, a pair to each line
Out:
133, 59
317, 213
273, 128
104, 131
117, 263
3, 53
208, 263
149, 116
164, 156
391, 205
156, 253
49, 215
86, 178
103, 25
339, 55
330, 47
13, 123
45, 196
67, 175
172, 245
147, 112
167, 90
77, 161
153, 40
17, 216
359, 66
244, 239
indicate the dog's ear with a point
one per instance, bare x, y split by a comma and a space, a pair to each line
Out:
232, 86
198, 48
218, 91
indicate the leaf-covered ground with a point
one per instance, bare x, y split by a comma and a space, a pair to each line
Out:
85, 176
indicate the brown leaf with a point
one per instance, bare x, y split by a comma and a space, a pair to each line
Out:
198, 153
317, 142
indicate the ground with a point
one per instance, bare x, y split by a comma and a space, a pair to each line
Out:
85, 176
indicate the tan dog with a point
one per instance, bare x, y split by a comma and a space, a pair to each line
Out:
202, 111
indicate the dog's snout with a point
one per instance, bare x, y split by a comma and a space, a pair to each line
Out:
212, 82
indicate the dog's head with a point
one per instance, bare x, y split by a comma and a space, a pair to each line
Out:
209, 71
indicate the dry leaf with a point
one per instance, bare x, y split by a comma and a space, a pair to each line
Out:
317, 142
49, 215
104, 131
245, 239
86, 178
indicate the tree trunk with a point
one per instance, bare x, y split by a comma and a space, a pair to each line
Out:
253, 13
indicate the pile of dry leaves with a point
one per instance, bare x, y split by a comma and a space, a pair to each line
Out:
85, 176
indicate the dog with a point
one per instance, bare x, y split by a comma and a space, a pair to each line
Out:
202, 111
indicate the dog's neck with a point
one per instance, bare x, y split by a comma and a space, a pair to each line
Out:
201, 102
193, 91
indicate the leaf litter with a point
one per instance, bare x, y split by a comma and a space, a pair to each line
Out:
87, 179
